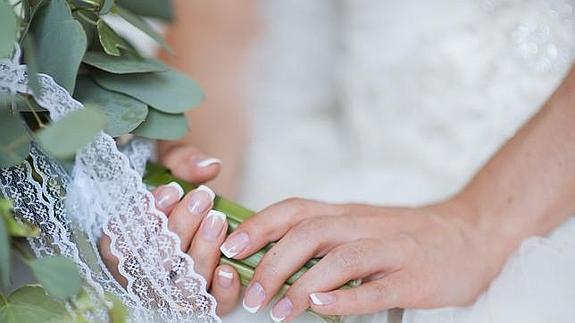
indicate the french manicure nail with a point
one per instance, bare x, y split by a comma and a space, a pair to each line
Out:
322, 298
254, 298
281, 310
168, 194
200, 200
213, 225
235, 244
205, 162
225, 278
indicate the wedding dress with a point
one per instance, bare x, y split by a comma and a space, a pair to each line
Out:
401, 102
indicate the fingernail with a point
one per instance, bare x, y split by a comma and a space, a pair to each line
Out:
213, 225
254, 298
235, 244
321, 298
282, 310
168, 194
225, 278
201, 200
205, 162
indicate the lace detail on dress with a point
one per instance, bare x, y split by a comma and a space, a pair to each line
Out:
107, 194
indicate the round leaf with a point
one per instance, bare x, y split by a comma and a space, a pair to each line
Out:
14, 138
123, 64
30, 304
71, 133
123, 113
169, 91
4, 253
8, 29
58, 275
151, 8
111, 42
160, 125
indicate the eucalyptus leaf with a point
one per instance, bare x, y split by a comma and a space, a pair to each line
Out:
110, 40
15, 140
123, 64
123, 112
143, 26
20, 230
31, 304
31, 60
170, 91
60, 53
8, 29
161, 9
118, 313
58, 275
71, 133
5, 260
164, 126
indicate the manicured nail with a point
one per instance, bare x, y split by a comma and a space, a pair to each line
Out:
254, 298
225, 278
322, 298
201, 200
213, 225
168, 195
206, 162
235, 244
281, 310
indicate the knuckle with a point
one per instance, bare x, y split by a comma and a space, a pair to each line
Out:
309, 229
348, 259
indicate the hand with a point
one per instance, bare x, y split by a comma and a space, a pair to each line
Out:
201, 231
188, 163
411, 258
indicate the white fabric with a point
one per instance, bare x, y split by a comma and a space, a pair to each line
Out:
400, 102
103, 193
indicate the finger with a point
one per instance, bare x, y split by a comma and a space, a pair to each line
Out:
347, 262
188, 163
166, 196
226, 288
306, 240
205, 245
271, 224
187, 215
390, 292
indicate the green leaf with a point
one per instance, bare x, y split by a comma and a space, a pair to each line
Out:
4, 254
8, 29
17, 229
111, 42
60, 53
31, 60
123, 113
71, 133
15, 140
118, 313
143, 26
169, 91
31, 304
58, 275
123, 64
160, 125
161, 9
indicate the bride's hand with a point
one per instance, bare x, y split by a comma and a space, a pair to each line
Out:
188, 163
201, 233
411, 258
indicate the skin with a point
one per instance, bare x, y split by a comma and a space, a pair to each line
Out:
188, 227
445, 254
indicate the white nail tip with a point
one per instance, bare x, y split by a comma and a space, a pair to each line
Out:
225, 274
178, 188
315, 299
203, 188
217, 214
227, 252
276, 319
250, 309
208, 162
